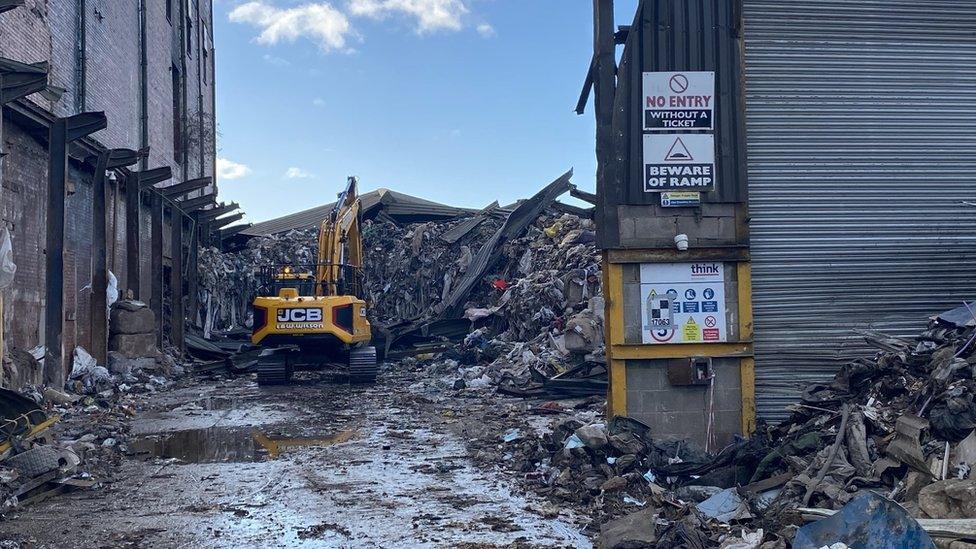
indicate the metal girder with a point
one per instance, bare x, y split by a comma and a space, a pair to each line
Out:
231, 231
61, 133
84, 124
195, 203
148, 178
20, 79
178, 190
213, 213
583, 195
223, 222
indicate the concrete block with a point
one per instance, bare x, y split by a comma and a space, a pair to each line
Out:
133, 345
126, 321
655, 228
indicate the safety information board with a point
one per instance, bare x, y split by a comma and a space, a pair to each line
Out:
683, 303
679, 100
680, 199
674, 162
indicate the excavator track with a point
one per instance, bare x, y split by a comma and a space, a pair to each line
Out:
273, 368
363, 367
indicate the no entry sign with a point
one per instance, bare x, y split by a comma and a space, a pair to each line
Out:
679, 162
679, 100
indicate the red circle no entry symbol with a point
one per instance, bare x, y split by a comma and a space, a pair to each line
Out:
679, 83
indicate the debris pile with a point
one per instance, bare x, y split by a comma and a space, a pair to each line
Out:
54, 440
900, 425
514, 294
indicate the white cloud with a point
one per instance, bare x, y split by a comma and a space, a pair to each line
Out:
276, 61
228, 169
297, 173
486, 30
319, 22
430, 15
318, 102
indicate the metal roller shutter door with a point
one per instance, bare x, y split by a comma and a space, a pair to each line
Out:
861, 140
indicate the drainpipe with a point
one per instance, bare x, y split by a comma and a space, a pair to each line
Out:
81, 60
143, 87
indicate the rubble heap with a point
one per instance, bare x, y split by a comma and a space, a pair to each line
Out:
901, 425
54, 440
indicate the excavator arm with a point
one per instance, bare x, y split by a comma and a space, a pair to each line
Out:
340, 256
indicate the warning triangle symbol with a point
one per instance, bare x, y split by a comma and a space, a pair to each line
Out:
678, 152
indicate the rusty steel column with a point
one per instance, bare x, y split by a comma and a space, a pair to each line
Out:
62, 132
156, 259
108, 160
177, 316
132, 232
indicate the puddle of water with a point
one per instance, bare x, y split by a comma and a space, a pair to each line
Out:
221, 403
225, 444
212, 445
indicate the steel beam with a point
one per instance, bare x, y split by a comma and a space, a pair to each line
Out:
148, 178
134, 186
224, 221
62, 132
231, 231
156, 260
177, 315
214, 213
195, 203
180, 189
107, 160
192, 273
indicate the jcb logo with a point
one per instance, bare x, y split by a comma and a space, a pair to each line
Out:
299, 315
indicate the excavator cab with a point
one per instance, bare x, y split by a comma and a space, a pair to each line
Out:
313, 317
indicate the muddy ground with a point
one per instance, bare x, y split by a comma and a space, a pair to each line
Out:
223, 463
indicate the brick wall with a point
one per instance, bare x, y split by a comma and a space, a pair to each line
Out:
24, 183
46, 30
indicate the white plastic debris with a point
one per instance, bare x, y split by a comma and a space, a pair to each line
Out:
649, 476
631, 501
85, 368
112, 293
748, 540
573, 442
512, 435
7, 266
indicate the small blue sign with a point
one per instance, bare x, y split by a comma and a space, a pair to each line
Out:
709, 306
690, 306
690, 294
708, 293
672, 293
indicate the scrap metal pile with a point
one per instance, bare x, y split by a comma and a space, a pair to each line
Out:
899, 427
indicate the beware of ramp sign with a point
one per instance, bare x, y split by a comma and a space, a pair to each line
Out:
675, 162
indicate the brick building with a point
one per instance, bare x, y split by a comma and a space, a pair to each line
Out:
149, 66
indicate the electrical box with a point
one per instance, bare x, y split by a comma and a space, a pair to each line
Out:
690, 371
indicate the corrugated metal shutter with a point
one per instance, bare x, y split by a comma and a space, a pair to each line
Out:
861, 134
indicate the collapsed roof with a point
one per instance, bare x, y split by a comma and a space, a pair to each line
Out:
381, 203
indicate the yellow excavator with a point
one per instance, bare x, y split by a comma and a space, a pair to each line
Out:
313, 317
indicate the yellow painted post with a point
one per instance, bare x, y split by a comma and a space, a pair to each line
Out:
613, 333
617, 403
747, 366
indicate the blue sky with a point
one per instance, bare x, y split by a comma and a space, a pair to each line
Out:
459, 101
